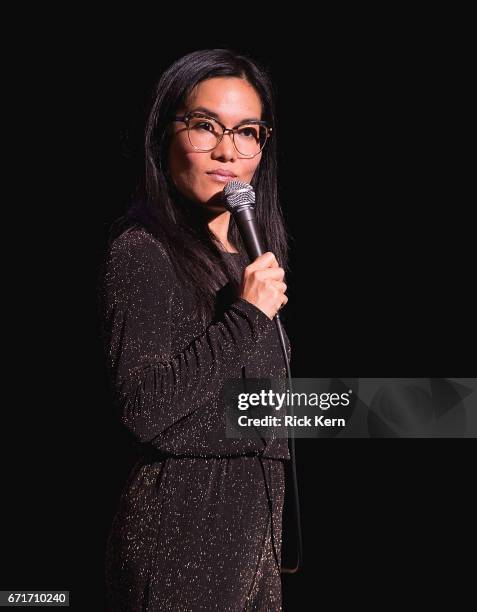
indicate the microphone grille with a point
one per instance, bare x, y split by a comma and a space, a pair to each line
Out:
237, 194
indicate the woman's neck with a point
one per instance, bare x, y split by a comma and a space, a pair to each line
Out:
219, 226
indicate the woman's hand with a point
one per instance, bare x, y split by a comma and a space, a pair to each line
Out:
263, 286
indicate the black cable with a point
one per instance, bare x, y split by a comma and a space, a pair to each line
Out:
291, 570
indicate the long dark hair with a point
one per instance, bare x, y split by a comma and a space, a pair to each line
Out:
177, 222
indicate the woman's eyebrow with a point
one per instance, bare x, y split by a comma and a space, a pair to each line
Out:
207, 111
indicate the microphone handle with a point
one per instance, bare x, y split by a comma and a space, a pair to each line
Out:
245, 220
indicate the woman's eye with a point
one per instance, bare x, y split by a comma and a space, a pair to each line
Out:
205, 125
249, 132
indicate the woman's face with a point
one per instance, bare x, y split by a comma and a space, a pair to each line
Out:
232, 100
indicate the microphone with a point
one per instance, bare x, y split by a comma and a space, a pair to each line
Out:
239, 199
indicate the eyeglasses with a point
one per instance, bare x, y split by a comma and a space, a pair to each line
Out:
205, 133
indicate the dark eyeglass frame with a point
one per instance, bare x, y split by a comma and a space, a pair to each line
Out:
186, 118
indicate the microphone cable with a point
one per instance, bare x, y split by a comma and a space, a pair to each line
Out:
291, 570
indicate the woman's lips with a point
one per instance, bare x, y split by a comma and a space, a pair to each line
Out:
220, 178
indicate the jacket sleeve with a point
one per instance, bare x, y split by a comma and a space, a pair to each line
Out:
153, 388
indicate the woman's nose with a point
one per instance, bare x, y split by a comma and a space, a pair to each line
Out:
225, 148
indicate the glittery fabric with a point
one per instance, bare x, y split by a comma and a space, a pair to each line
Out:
199, 522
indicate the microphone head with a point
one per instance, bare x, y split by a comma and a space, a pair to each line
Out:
237, 194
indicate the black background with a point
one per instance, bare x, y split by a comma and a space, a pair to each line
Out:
374, 156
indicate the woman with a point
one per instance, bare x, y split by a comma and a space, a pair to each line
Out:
199, 524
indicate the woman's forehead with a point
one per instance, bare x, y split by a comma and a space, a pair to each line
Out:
230, 99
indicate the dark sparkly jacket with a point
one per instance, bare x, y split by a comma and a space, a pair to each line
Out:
166, 371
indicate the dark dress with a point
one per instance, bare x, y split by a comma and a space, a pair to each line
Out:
199, 523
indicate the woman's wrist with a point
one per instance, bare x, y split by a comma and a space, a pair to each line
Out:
254, 311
